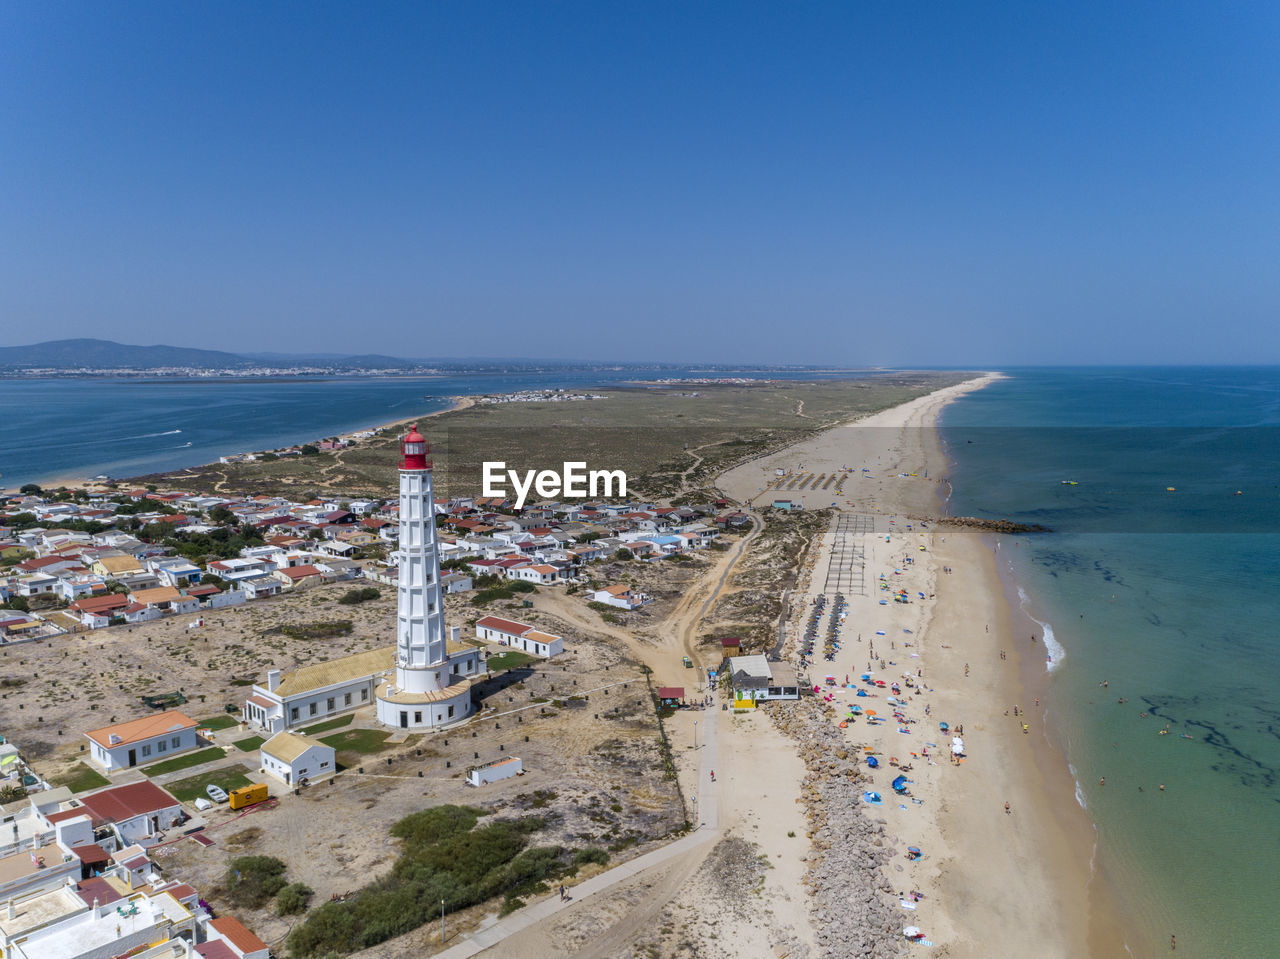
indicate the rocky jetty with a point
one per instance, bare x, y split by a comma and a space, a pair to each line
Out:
992, 525
853, 904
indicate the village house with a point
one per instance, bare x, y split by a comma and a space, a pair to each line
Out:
294, 758
542, 574
140, 741
166, 599
122, 815
118, 567
521, 636
621, 596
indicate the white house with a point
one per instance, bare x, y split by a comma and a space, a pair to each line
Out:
541, 574
138, 811
294, 758
257, 587
240, 942
141, 741
623, 597
519, 636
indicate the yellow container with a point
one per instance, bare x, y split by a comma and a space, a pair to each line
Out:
248, 795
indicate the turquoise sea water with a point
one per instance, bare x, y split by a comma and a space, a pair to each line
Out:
1173, 600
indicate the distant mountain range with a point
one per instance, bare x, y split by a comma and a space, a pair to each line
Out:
105, 355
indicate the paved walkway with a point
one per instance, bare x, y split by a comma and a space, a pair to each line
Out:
704, 832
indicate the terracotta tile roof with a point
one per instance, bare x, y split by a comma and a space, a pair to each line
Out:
99, 889
215, 949
299, 572
235, 932
121, 803
503, 625
136, 730
101, 604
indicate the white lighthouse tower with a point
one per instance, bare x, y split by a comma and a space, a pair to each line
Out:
428, 689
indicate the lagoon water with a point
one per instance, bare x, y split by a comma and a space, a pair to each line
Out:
1170, 597
74, 428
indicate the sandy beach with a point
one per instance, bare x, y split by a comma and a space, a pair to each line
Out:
990, 882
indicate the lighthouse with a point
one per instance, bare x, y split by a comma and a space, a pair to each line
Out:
428, 689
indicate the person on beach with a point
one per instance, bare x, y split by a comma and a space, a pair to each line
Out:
1173, 942
1006, 809
966, 669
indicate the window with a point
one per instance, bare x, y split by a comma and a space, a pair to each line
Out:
450, 712
311, 708
346, 699
325, 764
293, 712
364, 695
146, 750
329, 705
417, 717
176, 742
161, 746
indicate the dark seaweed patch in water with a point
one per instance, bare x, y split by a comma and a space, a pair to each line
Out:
1253, 772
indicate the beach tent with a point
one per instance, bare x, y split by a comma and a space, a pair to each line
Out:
900, 784
871, 797
873, 762
957, 746
913, 932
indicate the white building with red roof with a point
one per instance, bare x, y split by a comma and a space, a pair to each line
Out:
140, 741
521, 636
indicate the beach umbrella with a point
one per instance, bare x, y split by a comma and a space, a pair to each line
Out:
873, 762
900, 784
879, 632
914, 849
871, 712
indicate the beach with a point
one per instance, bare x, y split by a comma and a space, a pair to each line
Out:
991, 882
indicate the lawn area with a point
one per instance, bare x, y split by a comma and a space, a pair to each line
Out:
225, 721
82, 778
193, 787
336, 723
186, 760
249, 743
366, 742
509, 660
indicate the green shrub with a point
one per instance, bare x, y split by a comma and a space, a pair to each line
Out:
354, 596
252, 880
592, 854
293, 899
444, 855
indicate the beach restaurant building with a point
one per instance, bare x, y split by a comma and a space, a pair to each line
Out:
755, 678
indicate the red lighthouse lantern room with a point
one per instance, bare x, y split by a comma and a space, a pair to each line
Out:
414, 450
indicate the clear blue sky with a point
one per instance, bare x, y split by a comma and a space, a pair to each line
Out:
843, 183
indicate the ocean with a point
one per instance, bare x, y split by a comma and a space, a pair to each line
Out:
1161, 580
75, 428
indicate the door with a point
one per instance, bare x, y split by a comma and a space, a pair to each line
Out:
404, 719
133, 757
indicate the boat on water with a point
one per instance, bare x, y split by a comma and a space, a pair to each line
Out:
1070, 483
